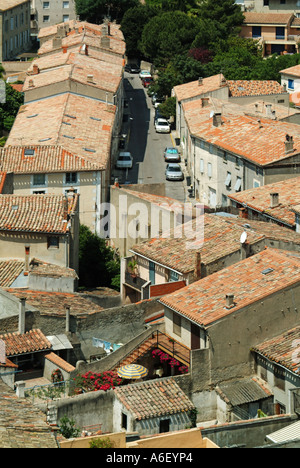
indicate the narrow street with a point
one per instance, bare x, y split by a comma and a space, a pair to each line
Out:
146, 146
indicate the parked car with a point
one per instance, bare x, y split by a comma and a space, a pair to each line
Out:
124, 161
145, 74
162, 126
132, 68
171, 154
157, 100
174, 172
146, 81
157, 115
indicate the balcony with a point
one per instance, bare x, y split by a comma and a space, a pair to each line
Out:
134, 281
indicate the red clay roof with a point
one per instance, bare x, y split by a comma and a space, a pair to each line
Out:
153, 398
252, 17
58, 361
281, 349
204, 301
259, 199
31, 341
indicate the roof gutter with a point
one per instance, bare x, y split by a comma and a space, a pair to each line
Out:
157, 263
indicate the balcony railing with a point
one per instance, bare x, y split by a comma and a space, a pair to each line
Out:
134, 281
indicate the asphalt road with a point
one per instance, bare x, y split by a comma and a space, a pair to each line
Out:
146, 146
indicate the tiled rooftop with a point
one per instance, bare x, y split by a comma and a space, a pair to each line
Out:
55, 303
267, 18
259, 199
8, 4
29, 342
249, 280
258, 139
281, 349
41, 268
223, 232
22, 425
36, 213
239, 88
77, 67
153, 398
76, 124
294, 71
9, 271
193, 89
58, 361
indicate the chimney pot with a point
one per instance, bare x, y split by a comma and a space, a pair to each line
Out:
22, 316
200, 81
274, 199
35, 69
90, 78
229, 301
217, 119
289, 144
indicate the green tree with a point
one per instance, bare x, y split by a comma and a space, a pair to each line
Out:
94, 11
9, 109
226, 13
139, 17
166, 35
98, 263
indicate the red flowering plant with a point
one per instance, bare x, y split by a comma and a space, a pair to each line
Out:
164, 357
93, 381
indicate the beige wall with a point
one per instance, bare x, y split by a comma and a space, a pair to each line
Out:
88, 188
10, 48
118, 439
191, 438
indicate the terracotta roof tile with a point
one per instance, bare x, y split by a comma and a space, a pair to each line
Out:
55, 303
58, 361
260, 140
250, 280
254, 87
9, 271
36, 213
193, 89
259, 199
174, 253
281, 349
252, 17
295, 70
31, 341
153, 398
75, 130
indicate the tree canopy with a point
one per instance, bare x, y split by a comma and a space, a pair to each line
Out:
94, 11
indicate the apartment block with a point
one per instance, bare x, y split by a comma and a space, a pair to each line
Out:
14, 28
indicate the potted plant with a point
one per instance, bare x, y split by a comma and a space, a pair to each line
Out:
133, 268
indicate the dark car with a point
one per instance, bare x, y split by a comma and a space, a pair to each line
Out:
132, 68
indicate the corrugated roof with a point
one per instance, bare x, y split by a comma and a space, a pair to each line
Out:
240, 392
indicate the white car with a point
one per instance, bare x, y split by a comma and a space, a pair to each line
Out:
145, 74
162, 126
124, 161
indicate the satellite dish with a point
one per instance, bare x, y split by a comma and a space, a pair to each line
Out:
243, 237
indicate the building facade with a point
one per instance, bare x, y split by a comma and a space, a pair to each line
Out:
14, 28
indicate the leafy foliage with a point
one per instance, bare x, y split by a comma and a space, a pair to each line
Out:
67, 428
95, 11
98, 263
9, 110
102, 443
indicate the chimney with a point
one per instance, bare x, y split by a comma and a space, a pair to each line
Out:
117, 182
243, 213
67, 319
65, 207
197, 271
217, 119
22, 315
31, 84
35, 70
26, 265
229, 301
289, 144
65, 50
105, 42
274, 199
205, 101
56, 42
90, 78
200, 81
86, 49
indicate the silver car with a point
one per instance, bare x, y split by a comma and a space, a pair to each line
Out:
171, 154
174, 172
124, 160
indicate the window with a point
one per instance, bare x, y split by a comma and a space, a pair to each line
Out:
266, 2
280, 33
256, 183
46, 5
228, 180
238, 184
39, 179
66, 4
46, 19
53, 242
291, 84
201, 166
71, 178
256, 31
176, 324
164, 425
124, 421
65, 18
209, 169
279, 378
173, 276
